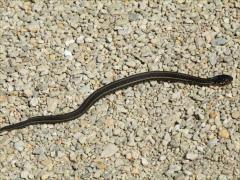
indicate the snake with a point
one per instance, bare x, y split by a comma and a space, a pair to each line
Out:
165, 76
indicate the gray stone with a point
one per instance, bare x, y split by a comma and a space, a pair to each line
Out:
219, 41
19, 146
133, 16
146, 51
109, 150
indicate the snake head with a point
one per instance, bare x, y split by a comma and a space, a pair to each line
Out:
222, 80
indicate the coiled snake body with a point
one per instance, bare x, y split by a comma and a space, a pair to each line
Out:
219, 80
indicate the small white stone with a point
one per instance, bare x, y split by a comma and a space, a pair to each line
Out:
23, 71
10, 88
192, 156
45, 175
44, 69
34, 27
144, 161
176, 95
122, 109
28, 92
236, 114
174, 168
180, 1
68, 42
83, 140
119, 162
109, 150
34, 102
131, 140
88, 40
80, 39
135, 154
117, 131
19, 145
222, 177
52, 104
162, 158
209, 36
109, 38
73, 157
131, 63
167, 139
68, 54
24, 174
109, 74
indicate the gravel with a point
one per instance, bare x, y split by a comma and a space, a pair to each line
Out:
53, 54
109, 150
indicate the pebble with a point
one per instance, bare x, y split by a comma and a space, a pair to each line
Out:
213, 59
44, 69
70, 41
19, 145
174, 167
34, 102
146, 52
73, 157
131, 140
48, 164
236, 114
52, 104
223, 133
45, 175
80, 40
222, 177
24, 174
191, 156
33, 27
131, 63
144, 161
212, 142
88, 40
209, 35
180, 1
219, 41
3, 98
28, 92
109, 150
167, 139
135, 154
68, 54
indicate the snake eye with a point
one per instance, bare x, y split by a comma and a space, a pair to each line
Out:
222, 80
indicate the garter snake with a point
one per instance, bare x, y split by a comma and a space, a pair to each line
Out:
218, 80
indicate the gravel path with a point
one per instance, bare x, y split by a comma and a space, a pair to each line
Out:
53, 54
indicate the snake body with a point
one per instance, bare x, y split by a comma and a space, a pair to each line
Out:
219, 80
